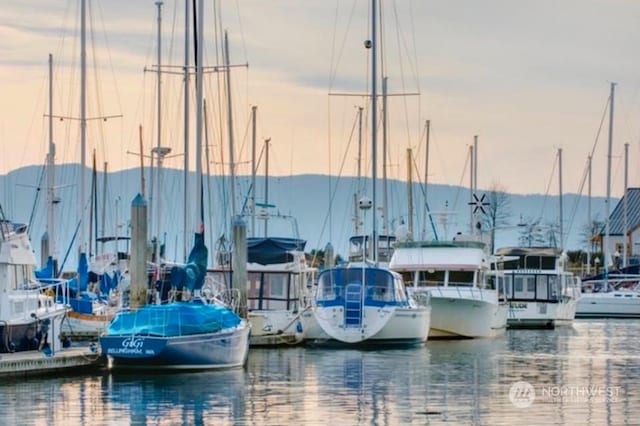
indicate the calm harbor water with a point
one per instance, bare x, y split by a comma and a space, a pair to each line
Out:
588, 374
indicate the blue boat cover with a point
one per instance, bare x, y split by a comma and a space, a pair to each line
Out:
173, 319
271, 250
47, 271
192, 274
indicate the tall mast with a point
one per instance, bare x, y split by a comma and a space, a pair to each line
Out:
560, 197
385, 190
608, 202
51, 171
374, 118
625, 205
266, 181
156, 195
230, 125
185, 220
426, 179
359, 184
83, 121
199, 99
253, 170
410, 190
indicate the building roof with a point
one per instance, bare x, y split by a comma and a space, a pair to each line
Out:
617, 225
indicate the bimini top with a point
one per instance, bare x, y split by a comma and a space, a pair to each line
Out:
173, 319
439, 255
272, 250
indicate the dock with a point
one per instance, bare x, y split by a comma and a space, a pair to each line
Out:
68, 360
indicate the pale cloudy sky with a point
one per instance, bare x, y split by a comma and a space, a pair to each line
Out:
527, 77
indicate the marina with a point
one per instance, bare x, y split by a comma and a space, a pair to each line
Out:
297, 268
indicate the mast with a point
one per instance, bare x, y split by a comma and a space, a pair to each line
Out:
589, 217
625, 205
185, 220
51, 197
227, 64
471, 189
266, 181
374, 118
253, 170
385, 190
426, 179
359, 182
83, 122
410, 190
608, 202
560, 197
199, 100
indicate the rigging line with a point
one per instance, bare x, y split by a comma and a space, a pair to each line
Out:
546, 194
423, 189
574, 210
242, 37
96, 79
332, 194
604, 115
402, 79
333, 66
464, 172
36, 198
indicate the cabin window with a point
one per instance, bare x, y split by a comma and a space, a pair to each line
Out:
541, 287
434, 278
508, 282
461, 278
518, 286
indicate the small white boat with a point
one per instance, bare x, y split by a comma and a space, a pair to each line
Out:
540, 290
279, 282
361, 305
615, 297
467, 301
31, 313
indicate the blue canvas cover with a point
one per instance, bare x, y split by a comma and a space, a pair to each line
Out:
272, 250
173, 319
47, 271
192, 274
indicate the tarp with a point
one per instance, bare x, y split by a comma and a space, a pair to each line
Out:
173, 319
271, 250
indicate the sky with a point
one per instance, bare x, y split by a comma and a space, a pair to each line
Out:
528, 78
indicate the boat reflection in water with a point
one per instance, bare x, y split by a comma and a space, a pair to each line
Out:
444, 382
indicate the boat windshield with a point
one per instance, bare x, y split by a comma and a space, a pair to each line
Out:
379, 284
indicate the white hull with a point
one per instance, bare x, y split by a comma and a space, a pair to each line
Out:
270, 328
397, 325
466, 313
537, 314
615, 304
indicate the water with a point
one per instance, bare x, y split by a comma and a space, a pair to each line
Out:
588, 374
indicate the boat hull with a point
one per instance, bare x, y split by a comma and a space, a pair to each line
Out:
273, 328
537, 314
404, 326
617, 304
224, 349
466, 313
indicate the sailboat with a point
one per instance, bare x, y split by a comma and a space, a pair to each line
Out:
363, 303
613, 293
196, 333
